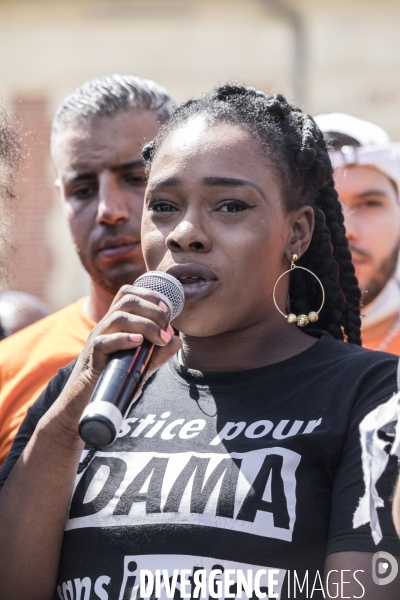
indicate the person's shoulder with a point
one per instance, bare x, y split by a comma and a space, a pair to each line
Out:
353, 366
369, 376
52, 390
63, 374
357, 355
36, 332
393, 346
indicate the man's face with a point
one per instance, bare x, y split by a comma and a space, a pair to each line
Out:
102, 181
372, 219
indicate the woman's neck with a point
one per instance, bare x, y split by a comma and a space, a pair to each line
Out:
256, 346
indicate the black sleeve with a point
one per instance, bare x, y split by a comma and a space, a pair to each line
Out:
349, 487
33, 416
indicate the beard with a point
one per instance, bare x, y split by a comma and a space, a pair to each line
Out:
383, 274
111, 281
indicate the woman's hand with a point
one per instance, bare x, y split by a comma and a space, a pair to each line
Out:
134, 315
37, 494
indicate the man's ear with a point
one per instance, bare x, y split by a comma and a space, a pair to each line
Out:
301, 226
57, 185
61, 196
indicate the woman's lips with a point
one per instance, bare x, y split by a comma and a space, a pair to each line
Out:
119, 251
197, 289
198, 281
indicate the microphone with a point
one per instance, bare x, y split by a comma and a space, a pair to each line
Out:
112, 397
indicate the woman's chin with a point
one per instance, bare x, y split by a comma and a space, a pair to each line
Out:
195, 327
194, 332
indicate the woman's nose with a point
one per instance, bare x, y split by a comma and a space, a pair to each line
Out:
189, 236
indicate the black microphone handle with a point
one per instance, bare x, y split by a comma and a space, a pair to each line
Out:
112, 397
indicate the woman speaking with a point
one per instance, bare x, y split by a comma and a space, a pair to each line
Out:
238, 471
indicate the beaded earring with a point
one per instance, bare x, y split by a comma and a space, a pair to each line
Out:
301, 320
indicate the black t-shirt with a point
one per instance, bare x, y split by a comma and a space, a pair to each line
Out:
247, 470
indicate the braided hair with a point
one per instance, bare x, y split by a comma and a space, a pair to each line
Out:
295, 149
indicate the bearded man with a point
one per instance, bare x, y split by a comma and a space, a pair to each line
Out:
367, 175
97, 137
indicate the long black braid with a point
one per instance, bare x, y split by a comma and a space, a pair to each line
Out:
295, 149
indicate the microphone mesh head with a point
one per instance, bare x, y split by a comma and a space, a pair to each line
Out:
167, 286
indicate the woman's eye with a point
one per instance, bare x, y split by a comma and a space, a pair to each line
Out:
234, 206
162, 206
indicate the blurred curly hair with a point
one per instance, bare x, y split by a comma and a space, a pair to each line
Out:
10, 155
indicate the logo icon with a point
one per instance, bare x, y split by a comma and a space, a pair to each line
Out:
384, 568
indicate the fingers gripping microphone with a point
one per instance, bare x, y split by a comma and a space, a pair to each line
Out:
111, 399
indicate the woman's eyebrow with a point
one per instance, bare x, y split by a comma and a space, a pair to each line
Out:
208, 181
233, 182
166, 181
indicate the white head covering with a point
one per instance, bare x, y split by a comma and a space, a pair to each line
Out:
375, 149
366, 133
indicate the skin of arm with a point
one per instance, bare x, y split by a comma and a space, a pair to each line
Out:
34, 501
349, 575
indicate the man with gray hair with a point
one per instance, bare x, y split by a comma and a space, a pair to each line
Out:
97, 137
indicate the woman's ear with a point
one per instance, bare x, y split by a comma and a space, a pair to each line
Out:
301, 227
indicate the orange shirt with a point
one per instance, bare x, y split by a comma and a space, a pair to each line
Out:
30, 358
393, 347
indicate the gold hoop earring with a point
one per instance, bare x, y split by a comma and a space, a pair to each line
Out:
312, 316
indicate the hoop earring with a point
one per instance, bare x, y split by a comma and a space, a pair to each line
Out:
300, 320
